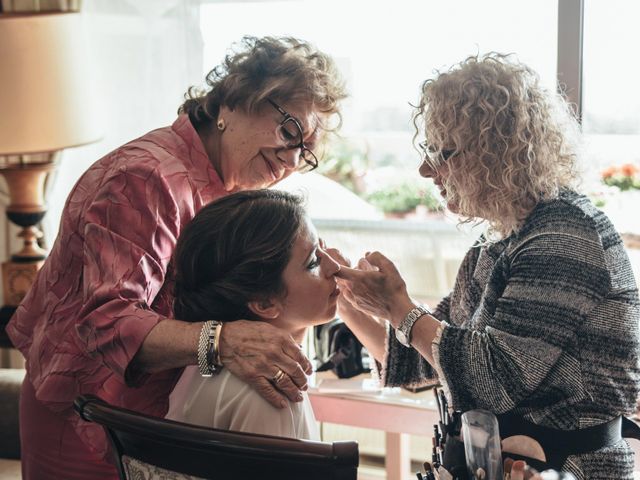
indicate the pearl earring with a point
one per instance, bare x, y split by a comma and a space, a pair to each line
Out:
221, 126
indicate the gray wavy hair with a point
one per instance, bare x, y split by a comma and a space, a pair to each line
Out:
282, 69
514, 142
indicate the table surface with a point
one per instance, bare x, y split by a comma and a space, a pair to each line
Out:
390, 409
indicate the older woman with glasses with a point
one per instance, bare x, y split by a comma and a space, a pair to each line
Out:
98, 318
541, 327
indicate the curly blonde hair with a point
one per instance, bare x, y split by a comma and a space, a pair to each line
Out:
282, 69
513, 142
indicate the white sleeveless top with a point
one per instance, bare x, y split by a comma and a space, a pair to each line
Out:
224, 401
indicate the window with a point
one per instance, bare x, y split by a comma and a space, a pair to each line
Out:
611, 108
611, 105
387, 48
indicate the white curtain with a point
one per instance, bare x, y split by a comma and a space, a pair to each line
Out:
144, 55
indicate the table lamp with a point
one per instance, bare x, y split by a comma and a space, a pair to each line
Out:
45, 106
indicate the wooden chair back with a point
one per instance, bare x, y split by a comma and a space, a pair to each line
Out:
143, 444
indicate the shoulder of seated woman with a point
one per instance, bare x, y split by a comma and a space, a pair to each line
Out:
240, 387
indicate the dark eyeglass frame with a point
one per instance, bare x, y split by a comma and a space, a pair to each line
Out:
431, 152
309, 158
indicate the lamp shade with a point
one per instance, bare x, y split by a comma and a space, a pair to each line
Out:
46, 101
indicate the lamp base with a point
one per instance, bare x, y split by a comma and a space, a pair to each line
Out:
17, 277
26, 182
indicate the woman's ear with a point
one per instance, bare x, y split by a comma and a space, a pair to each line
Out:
266, 309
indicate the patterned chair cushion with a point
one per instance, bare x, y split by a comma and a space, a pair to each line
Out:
138, 470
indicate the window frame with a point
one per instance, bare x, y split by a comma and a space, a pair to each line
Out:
570, 51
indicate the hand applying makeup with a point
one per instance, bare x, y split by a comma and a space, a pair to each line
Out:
377, 289
369, 330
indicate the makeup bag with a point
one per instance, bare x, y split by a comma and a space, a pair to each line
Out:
338, 349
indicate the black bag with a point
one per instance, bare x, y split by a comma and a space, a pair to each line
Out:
338, 349
557, 444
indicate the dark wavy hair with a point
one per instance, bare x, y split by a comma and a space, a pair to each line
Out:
234, 251
281, 69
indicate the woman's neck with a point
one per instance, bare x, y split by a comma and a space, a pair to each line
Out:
210, 139
298, 335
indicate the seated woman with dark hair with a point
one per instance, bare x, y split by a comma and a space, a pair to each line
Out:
250, 255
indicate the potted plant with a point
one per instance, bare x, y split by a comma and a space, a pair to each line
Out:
625, 177
346, 162
399, 199
623, 209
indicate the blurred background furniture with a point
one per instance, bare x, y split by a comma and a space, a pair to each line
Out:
10, 383
146, 446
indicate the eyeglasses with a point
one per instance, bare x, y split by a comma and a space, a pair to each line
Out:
290, 133
431, 152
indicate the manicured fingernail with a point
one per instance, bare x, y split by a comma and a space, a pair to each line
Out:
299, 398
283, 404
305, 387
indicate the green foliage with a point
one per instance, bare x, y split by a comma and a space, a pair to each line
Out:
345, 163
404, 197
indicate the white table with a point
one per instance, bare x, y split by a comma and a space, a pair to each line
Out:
397, 412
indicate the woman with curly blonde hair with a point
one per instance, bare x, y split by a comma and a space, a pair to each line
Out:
523, 140
541, 327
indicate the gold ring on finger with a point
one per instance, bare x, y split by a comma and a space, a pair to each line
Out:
277, 378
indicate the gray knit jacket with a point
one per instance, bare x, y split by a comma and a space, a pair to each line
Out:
543, 324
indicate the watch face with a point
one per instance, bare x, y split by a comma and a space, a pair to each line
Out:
402, 338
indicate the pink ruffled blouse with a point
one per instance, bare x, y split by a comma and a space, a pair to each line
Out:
107, 281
